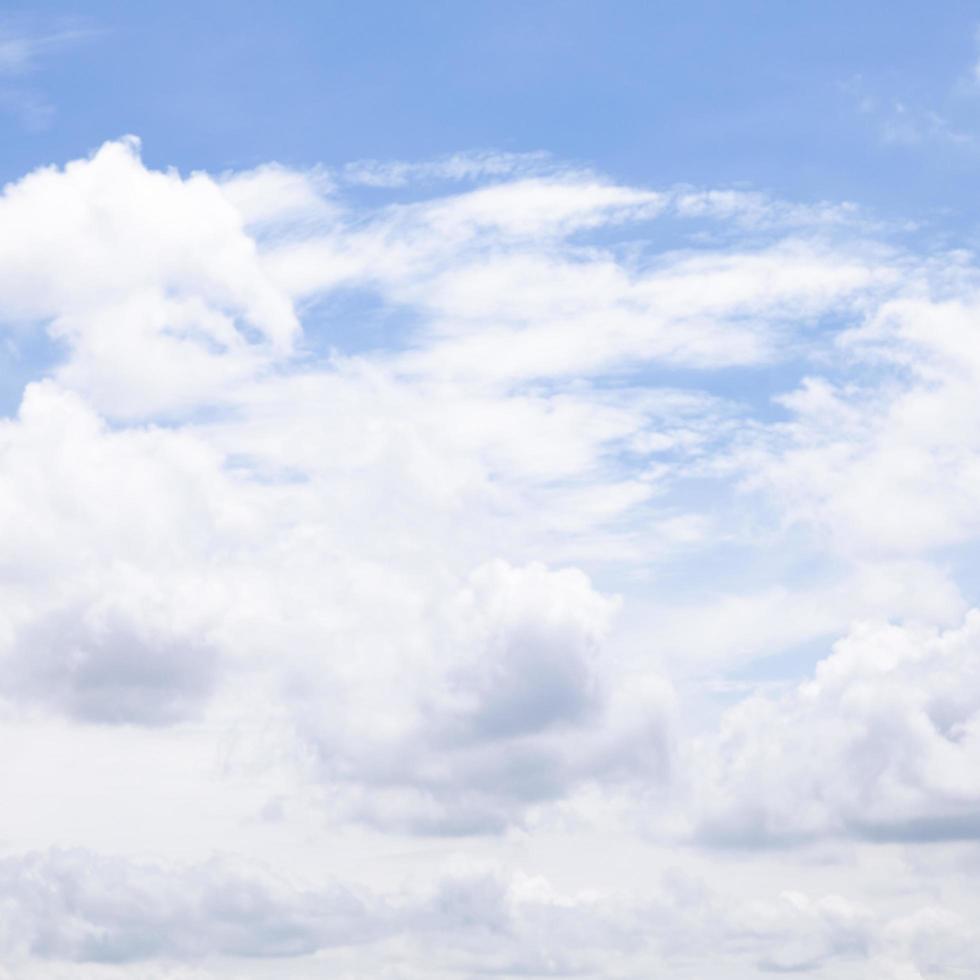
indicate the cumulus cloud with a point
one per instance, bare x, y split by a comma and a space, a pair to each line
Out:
504, 705
105, 665
888, 466
149, 280
881, 743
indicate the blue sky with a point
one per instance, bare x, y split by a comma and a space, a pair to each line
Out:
789, 98
489, 489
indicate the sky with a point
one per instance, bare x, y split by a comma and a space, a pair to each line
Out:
489, 489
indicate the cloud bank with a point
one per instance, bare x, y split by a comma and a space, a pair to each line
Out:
516, 512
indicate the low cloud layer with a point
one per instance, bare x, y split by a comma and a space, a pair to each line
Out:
96, 913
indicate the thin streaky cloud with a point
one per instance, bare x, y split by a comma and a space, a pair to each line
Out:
22, 51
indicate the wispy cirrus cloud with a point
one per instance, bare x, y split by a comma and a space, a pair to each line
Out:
25, 47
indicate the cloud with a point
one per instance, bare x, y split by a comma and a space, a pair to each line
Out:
881, 743
80, 907
97, 913
22, 51
101, 664
506, 294
456, 167
886, 466
149, 280
504, 706
103, 620
905, 126
904, 121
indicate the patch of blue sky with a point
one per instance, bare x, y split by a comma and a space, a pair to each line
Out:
739, 555
754, 388
961, 562
789, 664
353, 321
794, 98
26, 354
662, 235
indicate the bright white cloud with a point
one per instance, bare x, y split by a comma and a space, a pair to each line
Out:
881, 742
888, 467
149, 280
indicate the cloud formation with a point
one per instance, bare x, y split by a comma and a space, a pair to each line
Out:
95, 913
539, 508
880, 743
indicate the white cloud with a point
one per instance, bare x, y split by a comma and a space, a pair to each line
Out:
457, 167
508, 294
887, 467
23, 50
503, 706
76, 906
880, 743
20, 49
99, 915
149, 280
